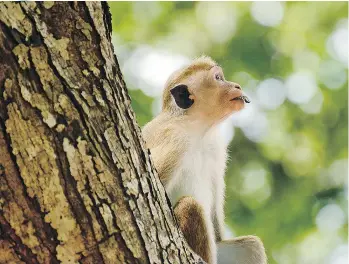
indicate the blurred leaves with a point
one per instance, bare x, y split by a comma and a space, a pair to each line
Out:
283, 171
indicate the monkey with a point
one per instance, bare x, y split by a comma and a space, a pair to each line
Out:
190, 157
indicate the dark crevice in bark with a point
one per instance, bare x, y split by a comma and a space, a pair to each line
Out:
8, 32
107, 19
7, 233
9, 43
17, 37
35, 80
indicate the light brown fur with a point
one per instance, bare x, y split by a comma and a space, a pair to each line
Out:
169, 136
161, 150
177, 120
190, 218
240, 250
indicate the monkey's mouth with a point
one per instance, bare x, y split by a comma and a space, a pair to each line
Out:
243, 98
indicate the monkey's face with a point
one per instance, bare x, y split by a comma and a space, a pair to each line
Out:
208, 96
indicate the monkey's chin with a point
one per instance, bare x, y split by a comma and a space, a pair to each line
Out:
237, 106
230, 110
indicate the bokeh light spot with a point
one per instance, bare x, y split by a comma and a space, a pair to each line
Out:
306, 60
330, 218
332, 74
267, 13
314, 105
337, 44
149, 69
301, 87
339, 255
271, 93
219, 19
252, 121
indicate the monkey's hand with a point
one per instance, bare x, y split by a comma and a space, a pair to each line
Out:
242, 250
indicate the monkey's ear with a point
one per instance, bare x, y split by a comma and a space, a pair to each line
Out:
182, 96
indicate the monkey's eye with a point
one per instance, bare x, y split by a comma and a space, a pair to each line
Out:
218, 77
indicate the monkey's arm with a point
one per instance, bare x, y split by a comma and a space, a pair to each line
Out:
165, 161
244, 249
165, 144
194, 226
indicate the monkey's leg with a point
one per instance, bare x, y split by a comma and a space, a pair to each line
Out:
193, 224
242, 250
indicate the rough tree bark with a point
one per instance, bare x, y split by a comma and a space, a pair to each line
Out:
76, 181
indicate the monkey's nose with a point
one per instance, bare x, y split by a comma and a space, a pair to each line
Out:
237, 86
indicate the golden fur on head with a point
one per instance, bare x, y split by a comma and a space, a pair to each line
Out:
202, 63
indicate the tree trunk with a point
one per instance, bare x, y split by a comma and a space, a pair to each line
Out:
76, 181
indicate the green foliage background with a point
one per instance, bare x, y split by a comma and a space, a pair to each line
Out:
285, 210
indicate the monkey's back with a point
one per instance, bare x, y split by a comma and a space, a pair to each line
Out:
166, 144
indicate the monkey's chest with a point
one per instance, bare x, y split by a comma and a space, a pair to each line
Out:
196, 174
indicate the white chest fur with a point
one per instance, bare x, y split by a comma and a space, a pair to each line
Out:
200, 171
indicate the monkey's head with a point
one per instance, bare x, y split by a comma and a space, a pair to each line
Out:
201, 91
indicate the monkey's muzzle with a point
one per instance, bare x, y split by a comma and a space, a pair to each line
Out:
242, 97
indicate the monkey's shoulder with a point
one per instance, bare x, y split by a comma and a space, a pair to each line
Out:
166, 143
162, 131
